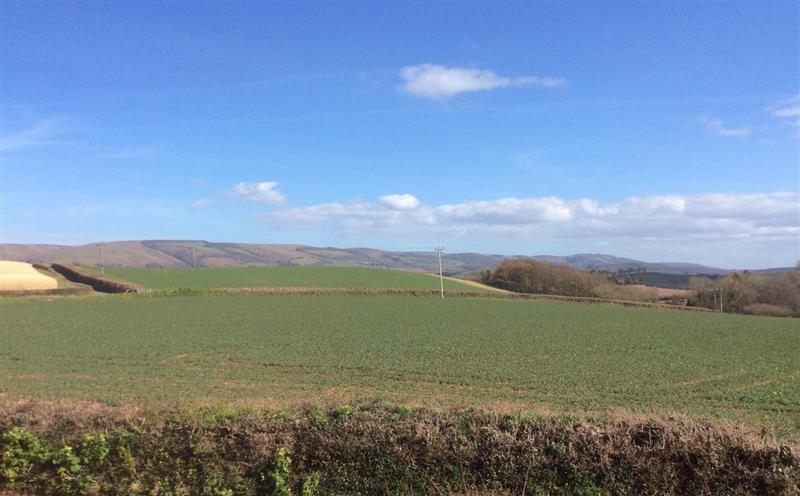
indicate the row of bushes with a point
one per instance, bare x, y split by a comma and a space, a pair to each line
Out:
775, 294
98, 283
375, 449
525, 275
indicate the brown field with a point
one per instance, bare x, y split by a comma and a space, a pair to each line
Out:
670, 292
666, 292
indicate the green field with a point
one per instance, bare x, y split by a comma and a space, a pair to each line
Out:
281, 277
674, 281
278, 350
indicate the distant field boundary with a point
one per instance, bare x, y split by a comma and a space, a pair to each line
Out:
412, 292
474, 284
97, 282
584, 299
76, 291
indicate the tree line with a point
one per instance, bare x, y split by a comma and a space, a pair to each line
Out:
776, 294
524, 275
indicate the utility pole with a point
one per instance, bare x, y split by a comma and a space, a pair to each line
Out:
102, 260
441, 277
194, 257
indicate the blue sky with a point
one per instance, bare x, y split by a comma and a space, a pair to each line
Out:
660, 131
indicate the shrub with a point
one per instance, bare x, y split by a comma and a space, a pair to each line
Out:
311, 485
23, 453
277, 478
533, 276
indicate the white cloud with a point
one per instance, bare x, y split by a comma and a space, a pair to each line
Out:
717, 127
42, 132
787, 108
671, 218
400, 202
507, 211
788, 111
203, 203
263, 192
438, 81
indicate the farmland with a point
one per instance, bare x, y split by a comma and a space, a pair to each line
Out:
277, 277
276, 351
22, 276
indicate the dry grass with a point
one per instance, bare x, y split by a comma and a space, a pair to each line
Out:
475, 284
665, 292
20, 276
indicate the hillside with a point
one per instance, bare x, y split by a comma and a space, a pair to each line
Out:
181, 253
611, 263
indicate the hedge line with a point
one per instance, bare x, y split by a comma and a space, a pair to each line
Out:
98, 283
409, 292
377, 449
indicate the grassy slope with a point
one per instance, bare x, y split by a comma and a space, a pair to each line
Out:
540, 355
249, 277
63, 282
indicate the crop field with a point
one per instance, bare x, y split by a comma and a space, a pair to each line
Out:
15, 276
540, 356
676, 281
281, 277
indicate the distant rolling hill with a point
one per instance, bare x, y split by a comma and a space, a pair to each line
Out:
611, 263
186, 253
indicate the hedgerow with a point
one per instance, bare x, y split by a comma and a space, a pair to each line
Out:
378, 449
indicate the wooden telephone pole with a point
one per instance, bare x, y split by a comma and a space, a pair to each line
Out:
441, 277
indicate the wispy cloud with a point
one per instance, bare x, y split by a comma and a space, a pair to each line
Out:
717, 127
672, 218
132, 152
788, 111
787, 108
40, 133
438, 81
259, 192
203, 203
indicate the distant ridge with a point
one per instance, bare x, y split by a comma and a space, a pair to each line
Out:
189, 253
